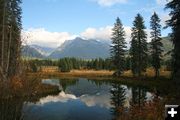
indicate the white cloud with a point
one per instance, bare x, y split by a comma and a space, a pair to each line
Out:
103, 33
109, 2
162, 2
127, 30
40, 36
148, 32
164, 18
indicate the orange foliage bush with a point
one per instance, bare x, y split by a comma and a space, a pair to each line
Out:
153, 110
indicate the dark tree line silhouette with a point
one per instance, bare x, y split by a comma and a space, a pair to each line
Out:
10, 37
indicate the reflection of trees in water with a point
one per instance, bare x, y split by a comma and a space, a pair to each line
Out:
138, 96
141, 108
11, 102
13, 96
10, 108
100, 82
96, 82
117, 99
67, 82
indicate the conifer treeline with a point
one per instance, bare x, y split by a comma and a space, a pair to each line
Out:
174, 23
139, 51
10, 37
67, 64
139, 46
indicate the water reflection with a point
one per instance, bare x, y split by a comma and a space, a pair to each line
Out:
76, 99
117, 99
138, 96
15, 95
10, 109
61, 97
98, 100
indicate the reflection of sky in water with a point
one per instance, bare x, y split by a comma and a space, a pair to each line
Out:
54, 82
102, 100
82, 101
69, 107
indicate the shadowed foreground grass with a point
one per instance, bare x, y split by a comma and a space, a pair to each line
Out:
152, 110
17, 91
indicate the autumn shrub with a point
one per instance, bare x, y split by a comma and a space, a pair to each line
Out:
152, 110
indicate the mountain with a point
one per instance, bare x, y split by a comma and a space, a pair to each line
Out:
167, 47
80, 48
167, 43
45, 51
30, 52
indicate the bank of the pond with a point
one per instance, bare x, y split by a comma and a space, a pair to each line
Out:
126, 78
98, 73
75, 74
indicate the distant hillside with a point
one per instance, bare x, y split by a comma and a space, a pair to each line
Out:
80, 48
45, 51
30, 52
167, 46
167, 43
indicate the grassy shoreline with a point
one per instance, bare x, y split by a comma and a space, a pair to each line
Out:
75, 74
98, 74
126, 78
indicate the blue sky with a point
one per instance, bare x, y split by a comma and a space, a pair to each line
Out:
59, 20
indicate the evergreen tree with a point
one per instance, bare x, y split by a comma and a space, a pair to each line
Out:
156, 44
118, 47
174, 23
10, 37
128, 63
33, 66
138, 50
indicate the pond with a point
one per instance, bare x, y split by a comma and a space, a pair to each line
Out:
83, 99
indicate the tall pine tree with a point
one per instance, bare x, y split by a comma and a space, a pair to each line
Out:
118, 47
174, 23
156, 44
138, 50
10, 37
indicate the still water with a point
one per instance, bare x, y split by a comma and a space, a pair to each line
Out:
83, 99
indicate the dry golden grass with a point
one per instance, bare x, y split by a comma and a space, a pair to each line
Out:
95, 72
149, 73
49, 69
54, 72
128, 73
74, 74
